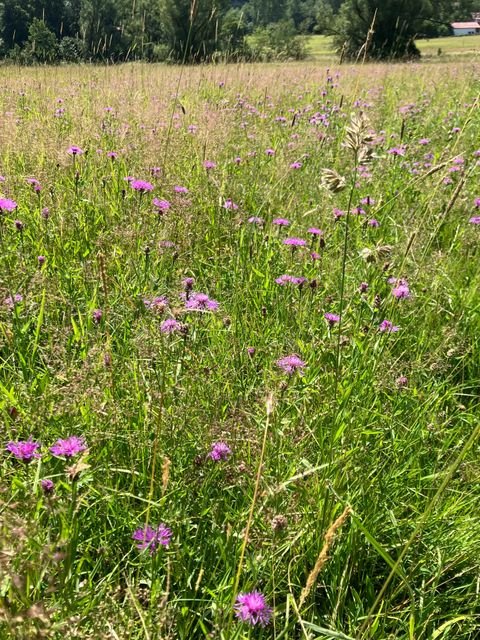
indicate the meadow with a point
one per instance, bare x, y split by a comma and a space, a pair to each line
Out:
322, 49
240, 347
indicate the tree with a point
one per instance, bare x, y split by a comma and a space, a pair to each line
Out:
42, 44
192, 28
16, 17
395, 25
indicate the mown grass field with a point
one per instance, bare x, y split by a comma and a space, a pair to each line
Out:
321, 48
169, 237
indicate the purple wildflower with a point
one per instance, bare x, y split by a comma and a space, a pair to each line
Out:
256, 220
291, 364
387, 327
253, 608
401, 381
424, 141
338, 213
315, 255
208, 164
229, 204
315, 232
475, 220
251, 351
401, 290
142, 186
296, 165
363, 287
270, 152
24, 450
36, 186
188, 283
68, 447
45, 213
7, 205
332, 318
47, 486
477, 203
368, 201
150, 538
41, 261
373, 222
74, 150
162, 205
286, 279
397, 151
112, 155
11, 301
170, 326
201, 302
295, 242
180, 189
220, 451
281, 222
97, 315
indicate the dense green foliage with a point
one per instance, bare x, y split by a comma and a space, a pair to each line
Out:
380, 424
203, 30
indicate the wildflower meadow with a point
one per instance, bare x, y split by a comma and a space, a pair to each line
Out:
240, 352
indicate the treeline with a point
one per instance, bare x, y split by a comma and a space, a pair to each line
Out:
50, 31
157, 30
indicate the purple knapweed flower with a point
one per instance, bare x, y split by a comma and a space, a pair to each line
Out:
338, 213
368, 201
141, 186
291, 364
180, 189
363, 287
45, 213
150, 538
170, 325
270, 152
315, 232
41, 261
229, 204
201, 302
251, 351
25, 450
253, 609
331, 318
387, 327
401, 381
373, 222
475, 220
162, 205
47, 486
286, 279
68, 447
256, 220
188, 283
11, 301
397, 151
281, 222
113, 155
209, 164
97, 315
401, 290
74, 150
35, 184
477, 203
295, 242
220, 451
424, 141
7, 205
296, 165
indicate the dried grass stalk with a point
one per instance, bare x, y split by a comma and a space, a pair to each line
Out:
323, 557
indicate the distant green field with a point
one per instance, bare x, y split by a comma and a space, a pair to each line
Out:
321, 47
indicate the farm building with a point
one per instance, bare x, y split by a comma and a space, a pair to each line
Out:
465, 28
